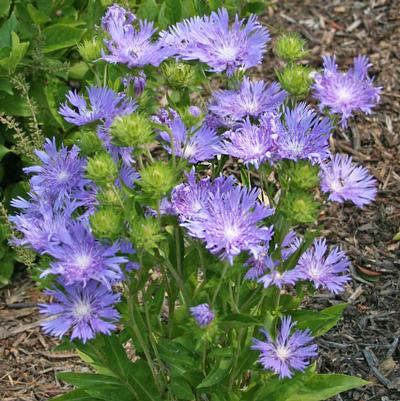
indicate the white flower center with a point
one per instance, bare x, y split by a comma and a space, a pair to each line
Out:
314, 271
282, 353
231, 232
81, 309
251, 106
83, 261
228, 52
63, 176
295, 147
343, 94
336, 185
189, 150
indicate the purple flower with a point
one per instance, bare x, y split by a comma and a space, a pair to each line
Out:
194, 111
303, 135
85, 310
80, 258
139, 82
288, 352
326, 271
259, 264
104, 104
345, 93
344, 180
190, 200
231, 222
279, 279
203, 314
201, 144
41, 227
251, 143
290, 244
60, 175
251, 100
213, 41
130, 45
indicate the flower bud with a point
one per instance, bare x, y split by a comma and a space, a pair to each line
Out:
139, 82
195, 111
107, 222
303, 174
157, 180
88, 142
90, 50
146, 233
179, 75
300, 207
290, 47
132, 130
101, 169
295, 79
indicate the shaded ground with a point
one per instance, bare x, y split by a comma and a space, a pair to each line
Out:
365, 343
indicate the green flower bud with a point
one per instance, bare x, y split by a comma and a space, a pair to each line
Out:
110, 197
290, 47
303, 174
146, 234
157, 180
296, 79
88, 142
90, 49
179, 75
107, 223
101, 169
133, 130
300, 207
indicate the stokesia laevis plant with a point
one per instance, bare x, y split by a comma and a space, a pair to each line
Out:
188, 230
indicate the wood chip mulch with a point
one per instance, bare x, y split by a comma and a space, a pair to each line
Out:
366, 342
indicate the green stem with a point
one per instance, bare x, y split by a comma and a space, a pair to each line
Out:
226, 265
142, 343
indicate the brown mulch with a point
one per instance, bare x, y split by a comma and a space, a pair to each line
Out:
366, 342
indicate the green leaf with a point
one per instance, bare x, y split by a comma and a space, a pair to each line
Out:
38, 17
75, 395
118, 361
18, 51
6, 271
5, 86
88, 380
3, 151
4, 7
217, 374
306, 387
148, 9
61, 36
78, 71
176, 357
319, 322
5, 31
181, 389
173, 11
142, 382
237, 321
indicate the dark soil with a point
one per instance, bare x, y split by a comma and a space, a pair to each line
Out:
366, 342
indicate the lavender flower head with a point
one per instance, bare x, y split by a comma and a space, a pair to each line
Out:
190, 200
203, 314
252, 99
231, 223
324, 270
261, 263
60, 174
139, 82
251, 143
345, 93
288, 352
344, 180
279, 279
104, 104
201, 144
80, 258
214, 42
85, 310
128, 45
303, 135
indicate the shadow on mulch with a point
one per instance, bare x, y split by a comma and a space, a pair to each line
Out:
366, 342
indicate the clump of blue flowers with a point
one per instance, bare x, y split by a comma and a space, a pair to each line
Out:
185, 221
